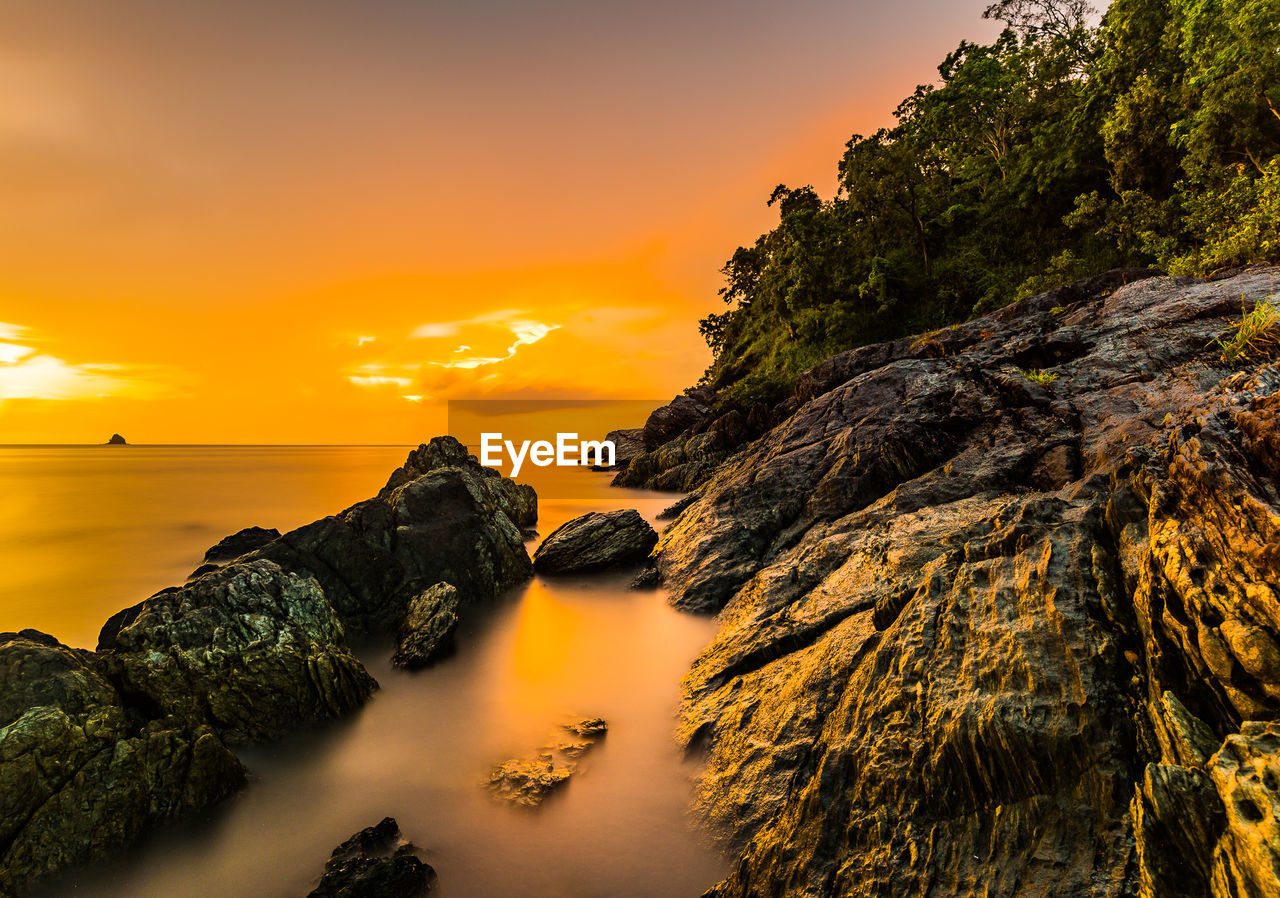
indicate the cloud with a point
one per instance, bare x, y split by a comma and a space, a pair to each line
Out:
379, 380
28, 373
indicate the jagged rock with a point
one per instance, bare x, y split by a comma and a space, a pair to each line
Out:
588, 727
84, 769
594, 542
683, 413
241, 543
968, 618
627, 444
375, 863
249, 649
1246, 774
425, 633
116, 440
646, 579
441, 517
529, 782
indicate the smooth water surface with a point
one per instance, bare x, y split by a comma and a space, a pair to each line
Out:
88, 533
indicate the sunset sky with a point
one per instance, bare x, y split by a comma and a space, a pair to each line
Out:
305, 222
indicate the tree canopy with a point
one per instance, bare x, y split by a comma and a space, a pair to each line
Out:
1058, 151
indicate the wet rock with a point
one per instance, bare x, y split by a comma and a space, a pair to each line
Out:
983, 636
646, 579
588, 727
250, 650
84, 769
595, 542
529, 782
425, 633
375, 863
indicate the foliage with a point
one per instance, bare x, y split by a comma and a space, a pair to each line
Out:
1256, 336
1054, 153
1035, 375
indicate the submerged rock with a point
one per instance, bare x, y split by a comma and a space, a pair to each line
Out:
529, 782
84, 768
425, 633
595, 542
984, 634
375, 863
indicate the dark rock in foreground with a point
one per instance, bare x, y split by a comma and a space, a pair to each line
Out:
375, 863
425, 633
596, 542
84, 768
249, 649
989, 635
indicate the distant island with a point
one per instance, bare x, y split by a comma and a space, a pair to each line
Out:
117, 440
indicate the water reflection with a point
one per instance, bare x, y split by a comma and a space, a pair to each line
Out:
421, 750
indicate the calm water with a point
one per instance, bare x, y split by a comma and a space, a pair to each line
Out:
86, 531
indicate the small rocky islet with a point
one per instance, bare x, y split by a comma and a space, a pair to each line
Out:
998, 607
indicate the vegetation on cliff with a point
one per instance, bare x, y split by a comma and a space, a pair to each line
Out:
1059, 151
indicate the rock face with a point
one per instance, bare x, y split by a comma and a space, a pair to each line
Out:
596, 542
249, 649
84, 768
375, 863
983, 635
627, 444
425, 633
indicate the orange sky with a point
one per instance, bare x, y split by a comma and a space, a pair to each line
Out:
314, 221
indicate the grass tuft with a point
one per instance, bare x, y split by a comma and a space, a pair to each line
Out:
1256, 336
1036, 376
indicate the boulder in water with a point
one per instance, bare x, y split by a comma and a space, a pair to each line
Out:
595, 542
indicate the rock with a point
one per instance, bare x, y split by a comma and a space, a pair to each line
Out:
595, 542
589, 727
425, 633
529, 782
627, 444
442, 517
375, 863
681, 414
84, 769
1246, 774
250, 650
240, 543
981, 635
646, 579
116, 440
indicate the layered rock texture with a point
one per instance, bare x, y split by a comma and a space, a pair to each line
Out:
96, 746
596, 541
999, 610
376, 862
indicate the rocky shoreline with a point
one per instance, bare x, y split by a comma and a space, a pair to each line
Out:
999, 606
97, 747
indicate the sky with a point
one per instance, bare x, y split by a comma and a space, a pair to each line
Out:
314, 222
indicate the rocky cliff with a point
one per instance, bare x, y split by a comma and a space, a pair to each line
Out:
1000, 610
